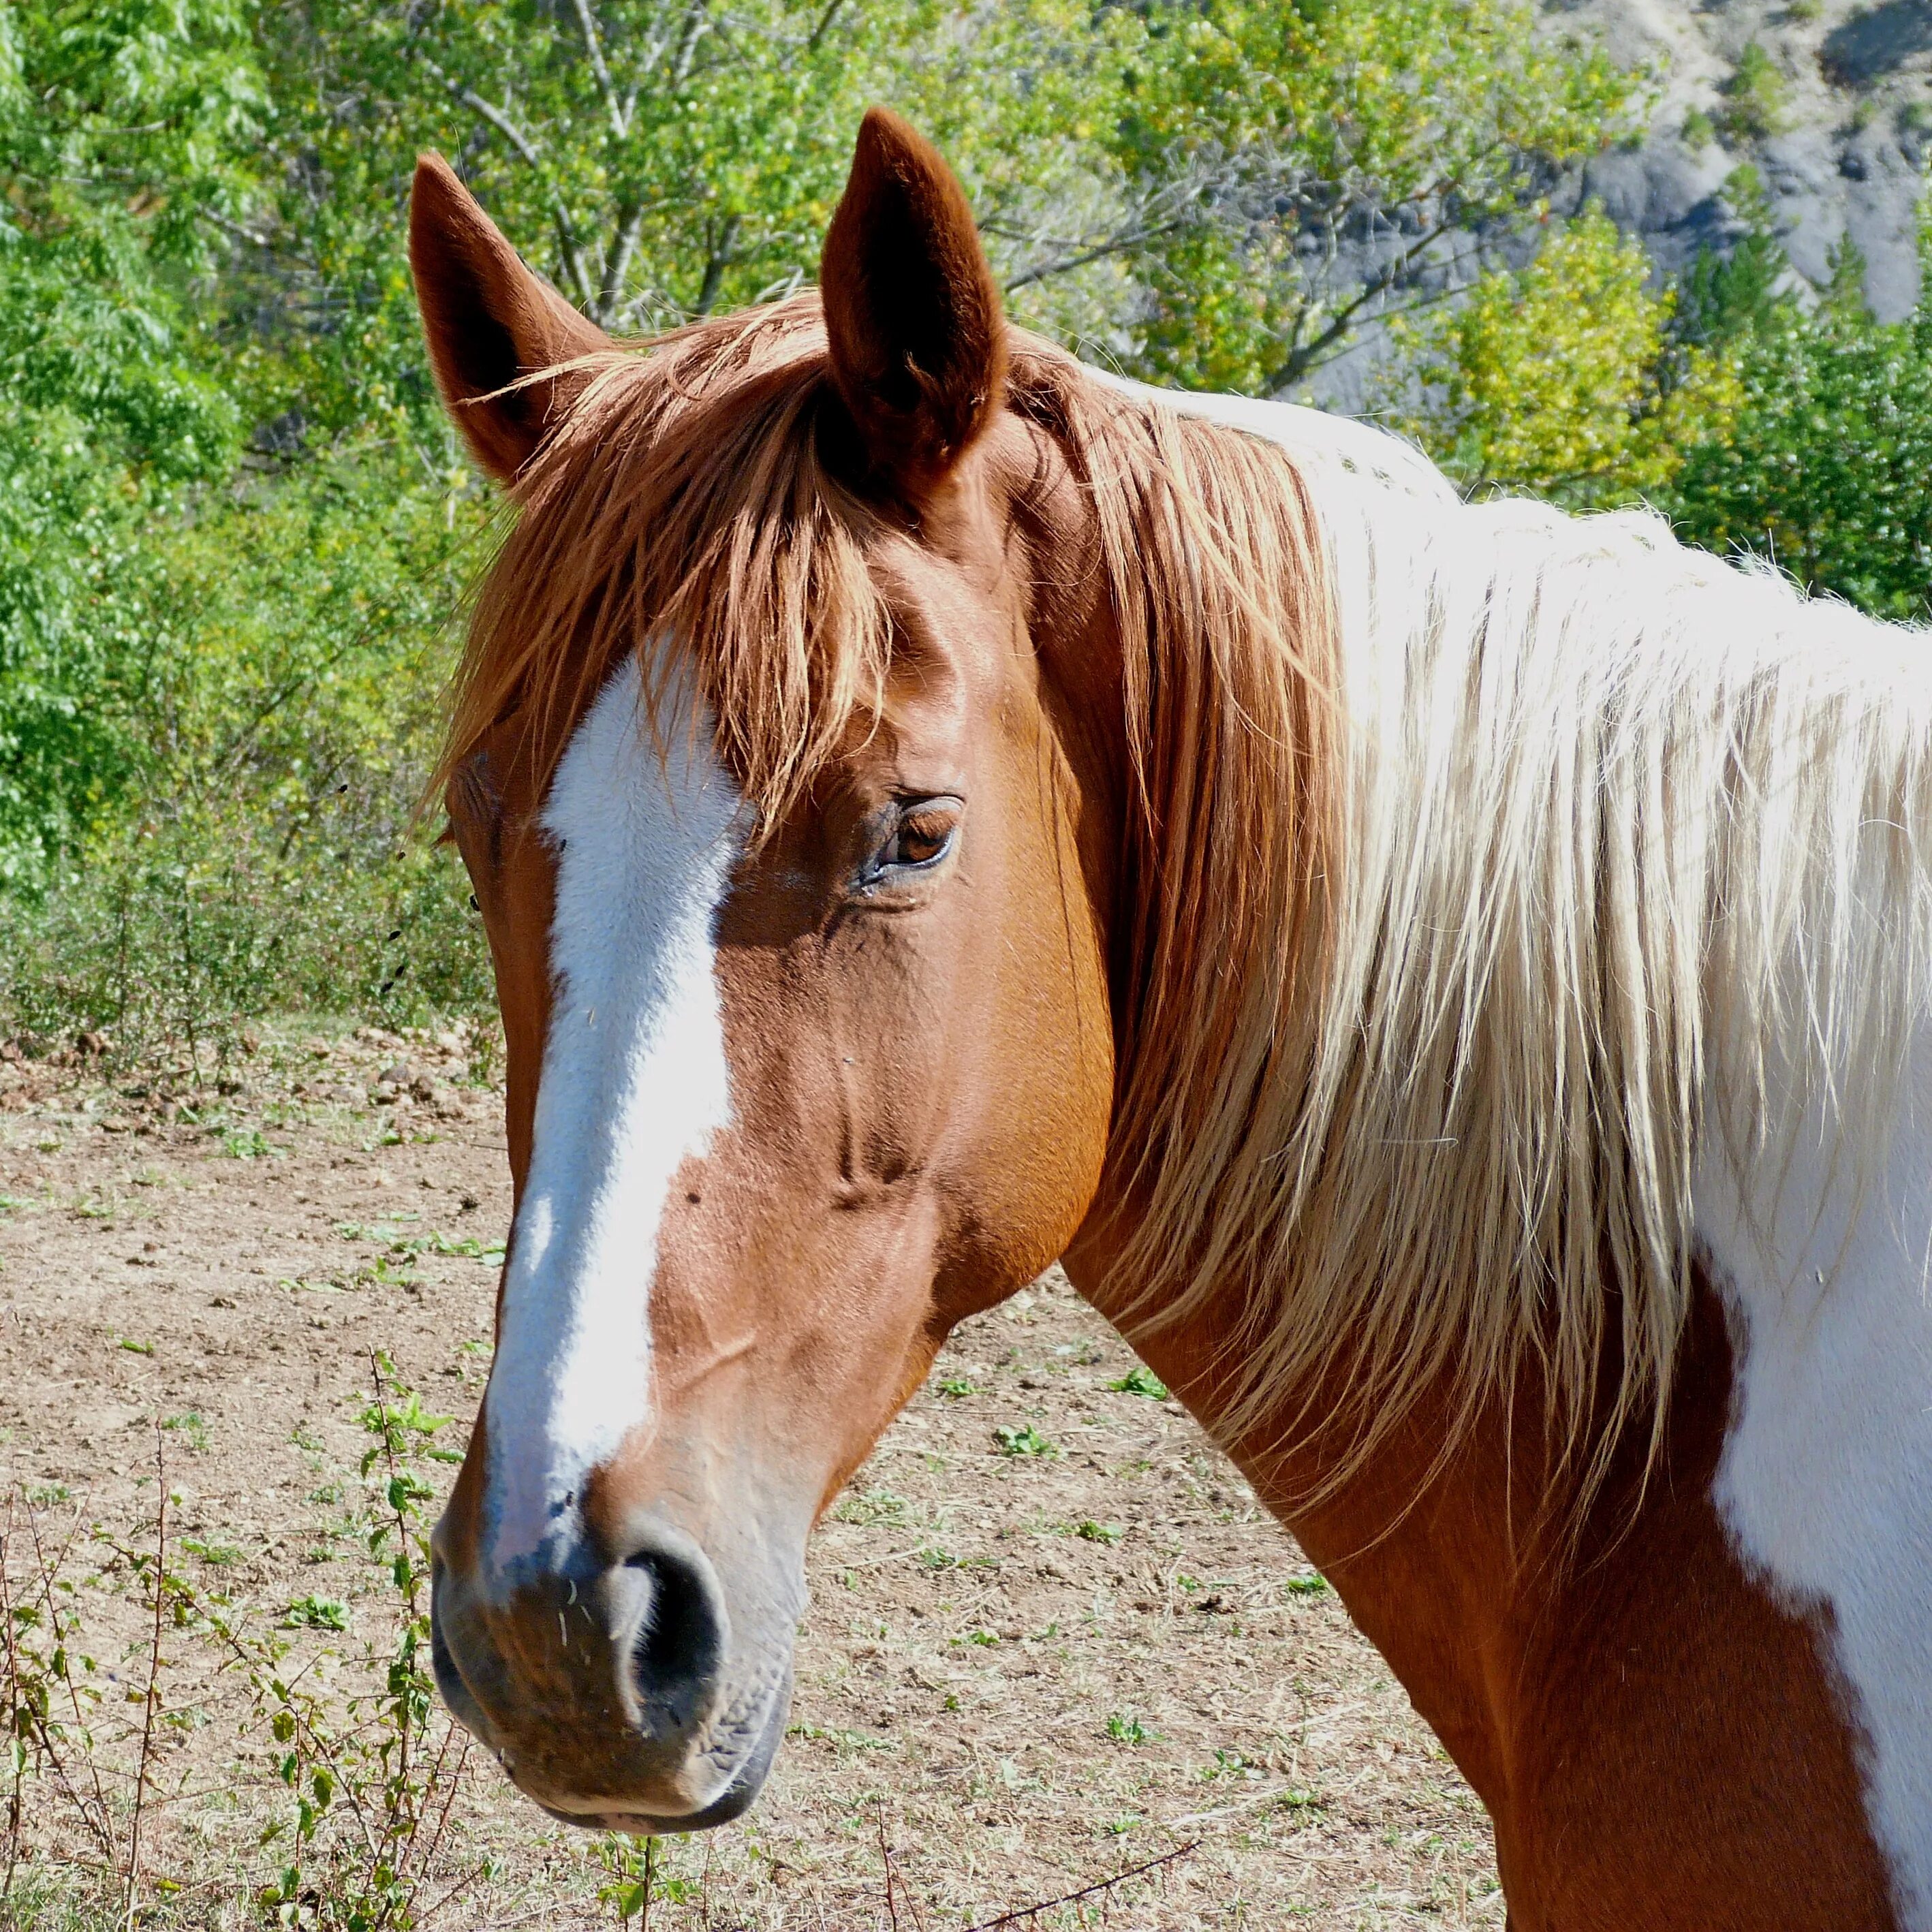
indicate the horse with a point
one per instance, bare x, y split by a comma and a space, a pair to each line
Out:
1449, 980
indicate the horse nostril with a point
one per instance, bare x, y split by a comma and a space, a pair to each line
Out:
678, 1640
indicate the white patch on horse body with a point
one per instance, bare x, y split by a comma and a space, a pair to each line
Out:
1826, 1480
634, 1083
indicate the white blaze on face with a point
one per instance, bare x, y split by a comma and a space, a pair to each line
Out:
633, 1084
1826, 1479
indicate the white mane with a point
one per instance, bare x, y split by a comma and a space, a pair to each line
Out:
1635, 846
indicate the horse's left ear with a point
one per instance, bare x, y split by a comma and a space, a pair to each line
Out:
494, 330
912, 313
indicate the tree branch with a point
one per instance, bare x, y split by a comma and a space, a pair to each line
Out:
1116, 245
825, 20
594, 47
687, 49
719, 261
617, 262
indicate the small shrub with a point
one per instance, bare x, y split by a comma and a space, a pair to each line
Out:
1024, 1440
1756, 97
324, 1613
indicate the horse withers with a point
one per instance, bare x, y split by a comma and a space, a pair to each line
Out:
1451, 982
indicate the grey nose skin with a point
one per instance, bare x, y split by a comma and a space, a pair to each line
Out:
592, 1678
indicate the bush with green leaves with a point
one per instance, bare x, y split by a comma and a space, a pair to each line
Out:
1824, 466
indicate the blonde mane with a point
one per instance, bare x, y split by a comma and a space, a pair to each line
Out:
1633, 872
1466, 843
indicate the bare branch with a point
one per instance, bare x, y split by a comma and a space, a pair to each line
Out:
719, 260
825, 20
1116, 245
617, 262
687, 50
594, 47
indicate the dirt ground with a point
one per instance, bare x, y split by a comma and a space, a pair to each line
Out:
1021, 1673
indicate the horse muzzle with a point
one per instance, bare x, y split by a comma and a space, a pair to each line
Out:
611, 1685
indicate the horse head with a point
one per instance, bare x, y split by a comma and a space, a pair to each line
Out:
778, 774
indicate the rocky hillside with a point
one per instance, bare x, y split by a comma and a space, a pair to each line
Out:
1832, 100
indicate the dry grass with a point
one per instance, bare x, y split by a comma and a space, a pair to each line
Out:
1021, 1673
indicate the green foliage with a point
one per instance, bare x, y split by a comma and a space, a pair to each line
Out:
234, 525
1762, 417
367, 1770
1826, 467
1566, 379
118, 123
1310, 125
1756, 96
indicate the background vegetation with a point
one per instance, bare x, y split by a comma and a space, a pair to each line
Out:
235, 531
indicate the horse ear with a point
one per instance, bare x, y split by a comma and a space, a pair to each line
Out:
489, 321
918, 340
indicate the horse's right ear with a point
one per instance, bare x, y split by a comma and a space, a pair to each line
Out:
489, 321
913, 318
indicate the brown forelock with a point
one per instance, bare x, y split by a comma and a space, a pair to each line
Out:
1661, 1742
918, 334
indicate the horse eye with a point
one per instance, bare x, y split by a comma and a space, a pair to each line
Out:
922, 837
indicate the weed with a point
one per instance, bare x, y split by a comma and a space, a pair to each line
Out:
247, 1143
871, 1507
191, 1429
369, 1776
1090, 1531
489, 1252
958, 1386
1124, 1728
136, 1347
1140, 1380
1025, 1440
1313, 1585
216, 1555
325, 1613
632, 1864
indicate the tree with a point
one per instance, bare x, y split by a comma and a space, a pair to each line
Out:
118, 124
1826, 467
1347, 159
1566, 379
1183, 186
232, 517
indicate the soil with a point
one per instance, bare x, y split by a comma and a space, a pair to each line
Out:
1021, 1674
